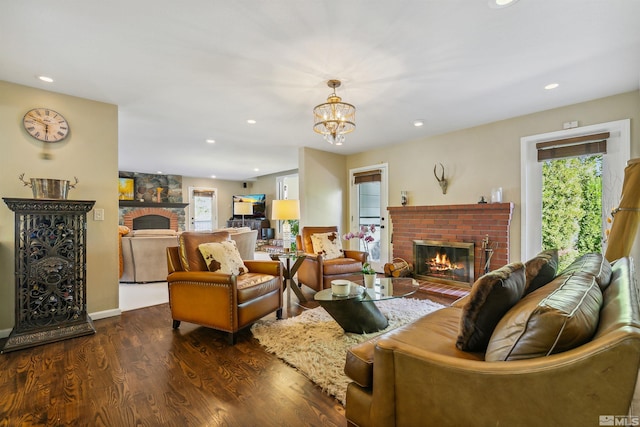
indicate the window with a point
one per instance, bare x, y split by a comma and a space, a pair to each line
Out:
613, 164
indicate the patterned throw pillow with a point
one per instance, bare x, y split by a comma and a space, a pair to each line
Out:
223, 257
328, 245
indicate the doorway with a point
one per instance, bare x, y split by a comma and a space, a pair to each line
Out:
203, 209
368, 208
287, 188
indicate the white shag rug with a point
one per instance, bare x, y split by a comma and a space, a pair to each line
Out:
317, 346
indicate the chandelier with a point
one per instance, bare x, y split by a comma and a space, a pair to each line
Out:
334, 118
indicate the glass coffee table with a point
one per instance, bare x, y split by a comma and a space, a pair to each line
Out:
357, 311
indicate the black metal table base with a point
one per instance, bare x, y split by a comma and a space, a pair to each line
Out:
360, 317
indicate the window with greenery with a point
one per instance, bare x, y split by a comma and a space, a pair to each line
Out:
572, 206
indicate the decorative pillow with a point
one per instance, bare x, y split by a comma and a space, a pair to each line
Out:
223, 257
540, 270
595, 264
554, 318
327, 244
492, 295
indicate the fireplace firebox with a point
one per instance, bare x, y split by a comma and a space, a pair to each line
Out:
446, 262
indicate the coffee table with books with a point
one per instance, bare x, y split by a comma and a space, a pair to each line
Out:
357, 312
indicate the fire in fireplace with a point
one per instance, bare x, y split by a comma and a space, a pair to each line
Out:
448, 262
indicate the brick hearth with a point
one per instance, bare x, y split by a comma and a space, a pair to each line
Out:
454, 223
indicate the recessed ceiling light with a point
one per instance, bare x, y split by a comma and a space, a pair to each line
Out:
211, 141
497, 4
46, 79
256, 169
251, 122
159, 172
551, 86
418, 123
213, 176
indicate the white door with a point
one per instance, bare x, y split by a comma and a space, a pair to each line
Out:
368, 210
203, 209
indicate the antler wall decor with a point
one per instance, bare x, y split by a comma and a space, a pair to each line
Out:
444, 183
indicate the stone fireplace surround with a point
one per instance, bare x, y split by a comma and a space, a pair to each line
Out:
454, 223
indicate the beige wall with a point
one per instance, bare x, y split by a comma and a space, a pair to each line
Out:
487, 156
90, 152
323, 179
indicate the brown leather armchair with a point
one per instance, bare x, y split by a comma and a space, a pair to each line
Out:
317, 272
220, 301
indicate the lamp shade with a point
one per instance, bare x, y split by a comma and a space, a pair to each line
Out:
285, 209
242, 208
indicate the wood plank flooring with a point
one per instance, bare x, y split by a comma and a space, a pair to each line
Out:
137, 371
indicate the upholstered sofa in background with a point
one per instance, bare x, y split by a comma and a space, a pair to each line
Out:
562, 355
144, 252
144, 255
245, 239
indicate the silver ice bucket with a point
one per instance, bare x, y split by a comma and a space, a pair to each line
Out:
44, 188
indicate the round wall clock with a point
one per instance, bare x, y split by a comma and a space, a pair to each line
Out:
46, 125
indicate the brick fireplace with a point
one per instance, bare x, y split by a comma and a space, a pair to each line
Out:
454, 223
129, 217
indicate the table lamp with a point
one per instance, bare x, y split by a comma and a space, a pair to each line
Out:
285, 210
242, 208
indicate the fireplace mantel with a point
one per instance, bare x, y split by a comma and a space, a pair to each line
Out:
138, 204
454, 223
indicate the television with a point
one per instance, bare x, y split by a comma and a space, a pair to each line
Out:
259, 202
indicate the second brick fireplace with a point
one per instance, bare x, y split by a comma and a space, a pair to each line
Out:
454, 223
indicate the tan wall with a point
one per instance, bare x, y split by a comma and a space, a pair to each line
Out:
324, 188
90, 152
487, 156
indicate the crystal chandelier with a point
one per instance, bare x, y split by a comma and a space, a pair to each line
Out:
334, 118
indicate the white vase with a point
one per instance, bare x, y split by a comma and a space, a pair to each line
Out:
369, 280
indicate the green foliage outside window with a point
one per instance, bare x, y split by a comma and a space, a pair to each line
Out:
295, 229
572, 206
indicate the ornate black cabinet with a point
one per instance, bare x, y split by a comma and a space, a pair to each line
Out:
50, 271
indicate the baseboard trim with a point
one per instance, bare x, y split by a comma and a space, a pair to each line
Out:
106, 313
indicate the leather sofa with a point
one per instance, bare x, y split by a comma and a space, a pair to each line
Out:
416, 376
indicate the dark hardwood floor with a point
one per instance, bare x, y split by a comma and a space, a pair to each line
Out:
137, 371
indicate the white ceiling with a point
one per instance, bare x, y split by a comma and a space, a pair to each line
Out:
184, 71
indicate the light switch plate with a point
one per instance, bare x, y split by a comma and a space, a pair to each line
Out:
98, 214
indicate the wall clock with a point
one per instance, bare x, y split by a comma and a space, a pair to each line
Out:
46, 125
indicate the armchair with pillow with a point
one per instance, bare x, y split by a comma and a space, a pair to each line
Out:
325, 259
210, 285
